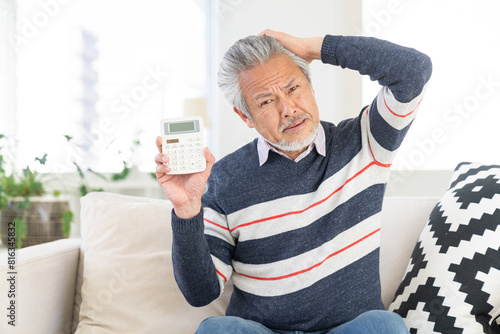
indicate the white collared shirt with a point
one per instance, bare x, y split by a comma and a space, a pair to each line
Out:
263, 147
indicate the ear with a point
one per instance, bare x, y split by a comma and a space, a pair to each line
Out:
244, 117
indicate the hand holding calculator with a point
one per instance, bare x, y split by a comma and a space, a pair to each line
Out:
183, 142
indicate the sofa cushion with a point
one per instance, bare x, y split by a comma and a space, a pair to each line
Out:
127, 279
452, 283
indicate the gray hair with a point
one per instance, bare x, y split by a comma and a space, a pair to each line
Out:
244, 55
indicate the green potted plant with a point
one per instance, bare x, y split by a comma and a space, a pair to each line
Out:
24, 203
40, 217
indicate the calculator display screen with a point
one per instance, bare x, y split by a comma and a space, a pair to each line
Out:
182, 127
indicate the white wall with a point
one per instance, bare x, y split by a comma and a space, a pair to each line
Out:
338, 92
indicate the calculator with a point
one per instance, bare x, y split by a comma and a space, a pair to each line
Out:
184, 143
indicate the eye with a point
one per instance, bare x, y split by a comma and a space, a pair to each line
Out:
266, 102
294, 88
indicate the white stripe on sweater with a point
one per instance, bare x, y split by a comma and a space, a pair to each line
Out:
224, 273
385, 96
216, 225
299, 272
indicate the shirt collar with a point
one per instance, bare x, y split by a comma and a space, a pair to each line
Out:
263, 147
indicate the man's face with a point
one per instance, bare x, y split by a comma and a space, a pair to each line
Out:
281, 104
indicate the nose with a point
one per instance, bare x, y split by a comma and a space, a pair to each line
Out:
287, 106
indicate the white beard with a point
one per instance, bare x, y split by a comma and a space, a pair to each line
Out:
291, 146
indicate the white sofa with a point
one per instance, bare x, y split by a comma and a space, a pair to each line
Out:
118, 277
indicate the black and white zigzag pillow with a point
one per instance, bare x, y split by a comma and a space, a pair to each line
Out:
452, 283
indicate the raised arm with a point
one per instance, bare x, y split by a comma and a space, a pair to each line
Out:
194, 270
405, 71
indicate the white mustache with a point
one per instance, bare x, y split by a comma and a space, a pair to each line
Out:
290, 121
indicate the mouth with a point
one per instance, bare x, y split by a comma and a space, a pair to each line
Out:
296, 125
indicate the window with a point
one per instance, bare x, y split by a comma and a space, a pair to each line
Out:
458, 119
104, 73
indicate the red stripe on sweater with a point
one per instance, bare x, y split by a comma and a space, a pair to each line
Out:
408, 114
312, 205
218, 225
224, 277
378, 163
314, 266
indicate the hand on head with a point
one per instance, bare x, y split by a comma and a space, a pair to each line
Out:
306, 48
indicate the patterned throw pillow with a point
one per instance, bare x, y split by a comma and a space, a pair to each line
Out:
452, 283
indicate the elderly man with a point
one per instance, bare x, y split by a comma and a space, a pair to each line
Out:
293, 218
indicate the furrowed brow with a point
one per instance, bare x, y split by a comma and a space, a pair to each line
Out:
289, 84
264, 95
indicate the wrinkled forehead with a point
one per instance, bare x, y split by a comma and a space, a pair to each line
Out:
277, 72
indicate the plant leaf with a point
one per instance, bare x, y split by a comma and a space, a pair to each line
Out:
98, 174
20, 225
83, 190
67, 217
43, 160
80, 172
123, 174
25, 204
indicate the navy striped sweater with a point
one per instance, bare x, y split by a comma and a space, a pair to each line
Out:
300, 241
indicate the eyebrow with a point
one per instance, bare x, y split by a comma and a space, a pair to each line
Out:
264, 95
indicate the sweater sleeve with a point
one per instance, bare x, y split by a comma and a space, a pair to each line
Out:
202, 249
403, 74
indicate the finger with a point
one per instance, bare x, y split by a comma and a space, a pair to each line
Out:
265, 32
161, 170
159, 142
161, 158
209, 156
271, 33
210, 160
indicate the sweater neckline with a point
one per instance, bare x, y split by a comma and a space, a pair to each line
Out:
290, 165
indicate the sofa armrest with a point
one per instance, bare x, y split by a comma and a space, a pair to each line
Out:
44, 287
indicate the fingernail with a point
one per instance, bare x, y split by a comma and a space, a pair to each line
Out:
165, 159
